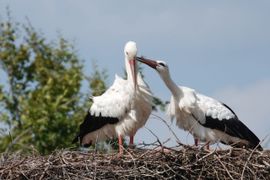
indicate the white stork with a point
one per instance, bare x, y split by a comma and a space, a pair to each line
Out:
121, 110
204, 117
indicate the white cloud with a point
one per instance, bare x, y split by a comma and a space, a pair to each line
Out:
251, 104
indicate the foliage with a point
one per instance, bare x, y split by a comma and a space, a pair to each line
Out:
41, 101
158, 103
97, 80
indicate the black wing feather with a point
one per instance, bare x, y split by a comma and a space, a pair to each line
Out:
92, 123
233, 127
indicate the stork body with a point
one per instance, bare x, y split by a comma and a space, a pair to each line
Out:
205, 118
121, 110
138, 114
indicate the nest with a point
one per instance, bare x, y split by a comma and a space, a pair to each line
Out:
184, 162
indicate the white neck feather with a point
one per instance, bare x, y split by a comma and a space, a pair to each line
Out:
175, 90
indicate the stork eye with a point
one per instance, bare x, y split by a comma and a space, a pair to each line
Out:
162, 64
126, 53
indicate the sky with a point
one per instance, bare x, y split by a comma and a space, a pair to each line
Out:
218, 48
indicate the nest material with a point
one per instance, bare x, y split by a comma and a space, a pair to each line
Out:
155, 163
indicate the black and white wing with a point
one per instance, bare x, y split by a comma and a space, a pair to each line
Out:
108, 108
221, 117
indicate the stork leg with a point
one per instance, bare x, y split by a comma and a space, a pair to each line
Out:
208, 146
196, 142
131, 141
120, 145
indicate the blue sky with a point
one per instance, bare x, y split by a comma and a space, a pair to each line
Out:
219, 48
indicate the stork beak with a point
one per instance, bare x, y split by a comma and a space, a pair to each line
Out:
149, 62
133, 68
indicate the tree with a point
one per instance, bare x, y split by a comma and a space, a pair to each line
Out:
42, 103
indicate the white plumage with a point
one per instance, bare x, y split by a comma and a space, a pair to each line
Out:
140, 110
115, 101
122, 109
191, 110
133, 111
204, 117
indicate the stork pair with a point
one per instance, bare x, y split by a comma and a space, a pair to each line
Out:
127, 104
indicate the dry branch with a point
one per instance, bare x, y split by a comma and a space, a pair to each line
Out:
181, 163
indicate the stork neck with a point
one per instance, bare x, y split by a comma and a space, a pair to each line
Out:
175, 90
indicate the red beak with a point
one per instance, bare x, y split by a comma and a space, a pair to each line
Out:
133, 68
149, 62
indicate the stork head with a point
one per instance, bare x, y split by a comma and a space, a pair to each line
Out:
130, 54
161, 66
130, 50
